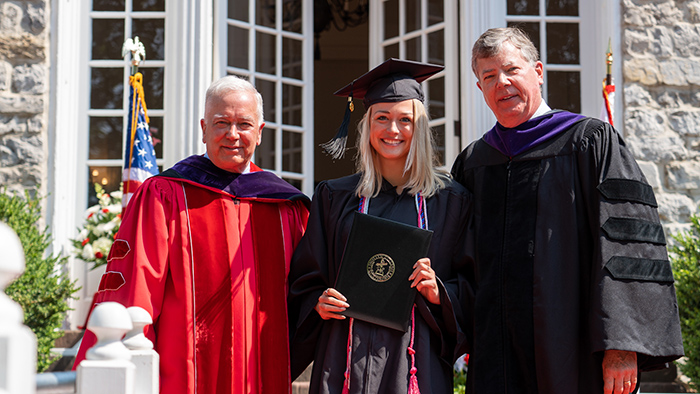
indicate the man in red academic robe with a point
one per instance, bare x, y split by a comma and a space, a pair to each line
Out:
205, 248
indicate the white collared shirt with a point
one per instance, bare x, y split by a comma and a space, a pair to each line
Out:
543, 109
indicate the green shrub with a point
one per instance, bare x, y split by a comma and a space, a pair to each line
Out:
42, 291
685, 258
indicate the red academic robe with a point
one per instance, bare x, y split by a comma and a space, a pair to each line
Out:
211, 268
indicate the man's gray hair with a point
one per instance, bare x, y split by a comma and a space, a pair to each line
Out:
233, 83
490, 43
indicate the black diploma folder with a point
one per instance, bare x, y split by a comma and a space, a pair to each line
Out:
378, 259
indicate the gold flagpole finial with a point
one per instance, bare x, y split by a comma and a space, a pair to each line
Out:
609, 62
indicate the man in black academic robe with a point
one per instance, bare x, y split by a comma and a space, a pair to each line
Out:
574, 288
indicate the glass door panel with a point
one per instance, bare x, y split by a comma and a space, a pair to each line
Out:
424, 31
279, 65
112, 22
553, 26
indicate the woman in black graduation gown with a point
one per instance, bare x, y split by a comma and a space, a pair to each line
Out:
397, 179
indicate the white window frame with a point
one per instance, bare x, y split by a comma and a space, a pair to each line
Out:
188, 71
451, 72
599, 21
306, 84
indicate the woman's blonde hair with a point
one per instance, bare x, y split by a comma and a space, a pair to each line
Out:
421, 163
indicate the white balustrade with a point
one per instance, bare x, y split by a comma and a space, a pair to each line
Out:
115, 365
110, 365
107, 368
143, 356
17, 342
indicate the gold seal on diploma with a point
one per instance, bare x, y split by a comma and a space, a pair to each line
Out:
381, 267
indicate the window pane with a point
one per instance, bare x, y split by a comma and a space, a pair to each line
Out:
265, 13
267, 90
107, 88
562, 7
391, 18
153, 87
436, 47
265, 53
155, 125
413, 49
149, 5
151, 33
291, 151
436, 11
391, 51
523, 7
108, 5
291, 58
291, 15
237, 47
265, 152
107, 38
238, 9
436, 95
532, 29
413, 15
439, 138
105, 140
564, 90
562, 43
108, 177
291, 105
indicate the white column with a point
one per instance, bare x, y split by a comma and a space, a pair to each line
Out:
143, 356
107, 368
17, 342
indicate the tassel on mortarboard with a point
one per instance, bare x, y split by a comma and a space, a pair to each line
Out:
392, 81
336, 147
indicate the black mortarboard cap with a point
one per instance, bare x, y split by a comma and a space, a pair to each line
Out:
392, 81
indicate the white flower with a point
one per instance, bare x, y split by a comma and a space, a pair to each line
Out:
109, 226
83, 234
93, 209
87, 254
100, 229
114, 208
102, 245
116, 194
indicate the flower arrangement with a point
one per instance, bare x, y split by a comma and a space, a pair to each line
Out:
101, 224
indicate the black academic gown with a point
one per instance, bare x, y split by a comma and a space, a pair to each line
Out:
380, 361
571, 261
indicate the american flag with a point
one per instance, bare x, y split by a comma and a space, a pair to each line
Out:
606, 113
139, 156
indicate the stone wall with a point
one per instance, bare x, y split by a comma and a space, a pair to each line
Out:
24, 80
661, 96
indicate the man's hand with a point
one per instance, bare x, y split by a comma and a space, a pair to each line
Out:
619, 372
423, 279
330, 304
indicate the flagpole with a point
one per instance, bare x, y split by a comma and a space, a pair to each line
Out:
138, 52
608, 86
609, 62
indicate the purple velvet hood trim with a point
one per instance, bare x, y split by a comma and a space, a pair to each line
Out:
256, 184
512, 142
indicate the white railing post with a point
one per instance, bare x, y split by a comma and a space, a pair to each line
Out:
143, 356
17, 342
107, 368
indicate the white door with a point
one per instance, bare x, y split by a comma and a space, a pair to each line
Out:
270, 43
425, 31
572, 37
